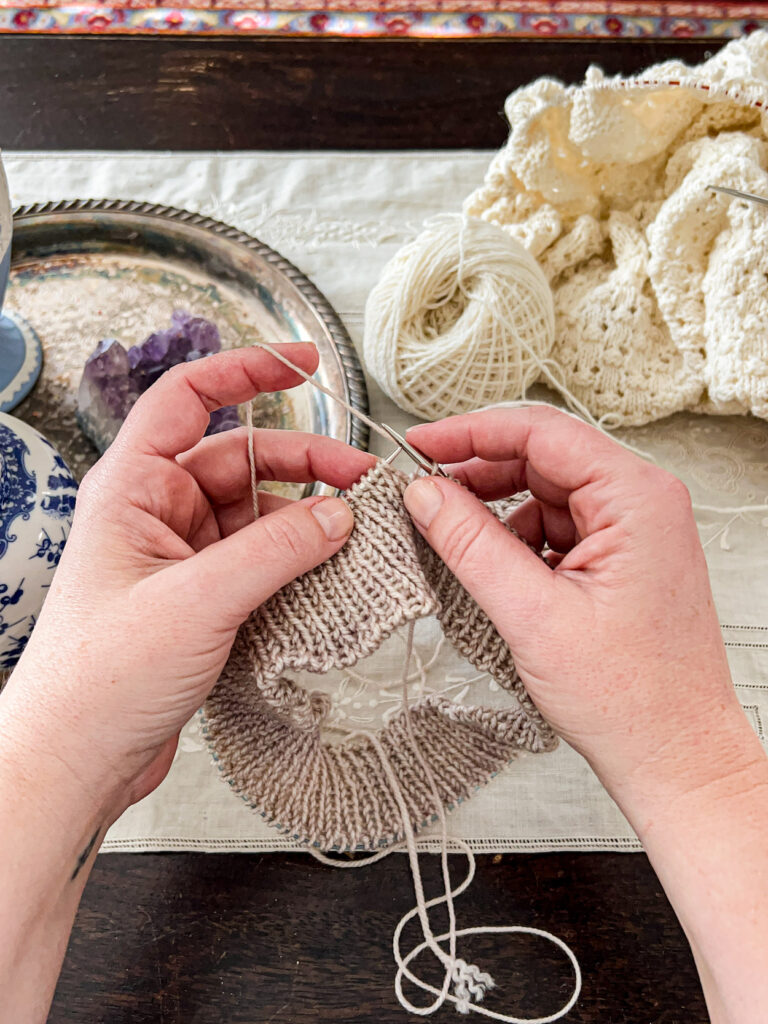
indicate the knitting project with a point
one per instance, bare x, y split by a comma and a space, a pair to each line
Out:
267, 732
659, 284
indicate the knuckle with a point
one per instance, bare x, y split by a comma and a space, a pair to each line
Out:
175, 381
546, 414
90, 488
674, 490
177, 371
464, 545
283, 534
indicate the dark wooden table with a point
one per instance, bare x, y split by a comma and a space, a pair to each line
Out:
251, 939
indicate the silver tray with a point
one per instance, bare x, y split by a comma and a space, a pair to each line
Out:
83, 270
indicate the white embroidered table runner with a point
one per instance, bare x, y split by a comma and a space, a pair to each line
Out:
339, 217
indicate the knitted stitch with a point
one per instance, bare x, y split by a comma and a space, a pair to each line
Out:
267, 731
659, 284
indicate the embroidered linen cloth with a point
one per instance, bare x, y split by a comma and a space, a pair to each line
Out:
340, 217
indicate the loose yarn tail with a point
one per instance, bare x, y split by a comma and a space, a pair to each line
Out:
465, 985
470, 984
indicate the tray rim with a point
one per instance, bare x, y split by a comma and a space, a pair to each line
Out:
352, 371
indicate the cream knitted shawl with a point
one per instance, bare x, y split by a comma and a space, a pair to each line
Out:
267, 732
660, 286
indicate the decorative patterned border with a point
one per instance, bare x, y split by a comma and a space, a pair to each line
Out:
351, 368
464, 19
17, 389
159, 844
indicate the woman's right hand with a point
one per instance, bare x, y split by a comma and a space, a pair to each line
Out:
618, 641
619, 644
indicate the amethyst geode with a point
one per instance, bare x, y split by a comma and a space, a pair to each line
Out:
113, 379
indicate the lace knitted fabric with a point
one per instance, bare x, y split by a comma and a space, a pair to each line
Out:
267, 732
659, 285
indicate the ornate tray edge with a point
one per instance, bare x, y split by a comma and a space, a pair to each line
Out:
353, 372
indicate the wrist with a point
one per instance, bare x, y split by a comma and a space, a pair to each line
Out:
702, 817
697, 771
53, 821
52, 768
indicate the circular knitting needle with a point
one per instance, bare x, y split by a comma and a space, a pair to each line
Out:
763, 200
413, 453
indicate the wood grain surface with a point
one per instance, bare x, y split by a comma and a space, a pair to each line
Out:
280, 939
148, 93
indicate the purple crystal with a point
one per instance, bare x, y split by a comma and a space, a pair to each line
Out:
189, 337
113, 379
107, 392
202, 333
223, 419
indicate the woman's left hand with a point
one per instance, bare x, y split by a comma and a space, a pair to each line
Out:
163, 563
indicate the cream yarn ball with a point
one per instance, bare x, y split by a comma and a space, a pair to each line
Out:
461, 317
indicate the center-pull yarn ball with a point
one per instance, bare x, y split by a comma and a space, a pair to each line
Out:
462, 317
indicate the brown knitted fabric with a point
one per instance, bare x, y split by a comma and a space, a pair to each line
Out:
266, 731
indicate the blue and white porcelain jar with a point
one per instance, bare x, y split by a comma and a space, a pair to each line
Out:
21, 354
37, 502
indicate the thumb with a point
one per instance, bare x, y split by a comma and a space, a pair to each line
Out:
509, 582
237, 574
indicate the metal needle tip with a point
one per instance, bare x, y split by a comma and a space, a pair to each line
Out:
763, 200
421, 460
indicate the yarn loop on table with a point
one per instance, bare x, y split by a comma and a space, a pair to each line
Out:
432, 593
461, 317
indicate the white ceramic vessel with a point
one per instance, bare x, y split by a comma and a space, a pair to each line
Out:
37, 502
21, 353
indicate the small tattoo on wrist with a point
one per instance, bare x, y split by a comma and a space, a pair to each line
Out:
81, 860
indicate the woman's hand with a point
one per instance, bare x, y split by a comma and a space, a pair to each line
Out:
163, 563
620, 645
618, 642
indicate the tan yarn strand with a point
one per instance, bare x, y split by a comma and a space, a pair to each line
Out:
252, 458
470, 984
357, 413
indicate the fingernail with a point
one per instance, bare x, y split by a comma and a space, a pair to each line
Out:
423, 499
335, 517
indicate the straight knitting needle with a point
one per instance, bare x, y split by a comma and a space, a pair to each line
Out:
763, 200
382, 429
413, 453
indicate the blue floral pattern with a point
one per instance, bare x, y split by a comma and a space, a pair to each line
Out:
62, 505
13, 651
18, 488
49, 550
37, 490
9, 599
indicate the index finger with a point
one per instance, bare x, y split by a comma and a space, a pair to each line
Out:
172, 415
558, 447
221, 466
